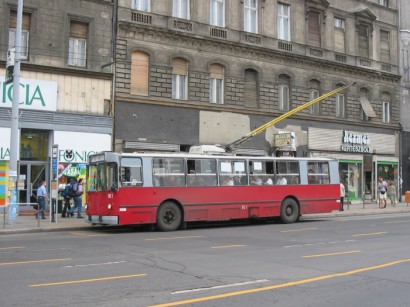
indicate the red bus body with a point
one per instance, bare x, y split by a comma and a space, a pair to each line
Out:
141, 204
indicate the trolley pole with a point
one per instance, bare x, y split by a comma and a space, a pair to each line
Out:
14, 137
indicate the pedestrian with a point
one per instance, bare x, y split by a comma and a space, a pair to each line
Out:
42, 196
77, 188
64, 190
391, 193
342, 195
382, 187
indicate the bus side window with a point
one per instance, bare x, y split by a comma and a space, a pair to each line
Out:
201, 172
131, 172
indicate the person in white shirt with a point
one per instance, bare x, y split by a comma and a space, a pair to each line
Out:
281, 180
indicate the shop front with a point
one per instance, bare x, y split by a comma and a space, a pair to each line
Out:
363, 158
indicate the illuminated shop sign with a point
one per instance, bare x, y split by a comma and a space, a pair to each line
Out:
355, 142
34, 94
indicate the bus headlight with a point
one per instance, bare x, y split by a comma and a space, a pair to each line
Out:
109, 206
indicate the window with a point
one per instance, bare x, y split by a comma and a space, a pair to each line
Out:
363, 35
216, 80
201, 172
25, 30
313, 94
217, 13
284, 100
168, 172
287, 172
384, 2
139, 73
340, 105
314, 31
339, 25
318, 173
232, 172
180, 9
77, 49
131, 172
384, 46
283, 22
261, 172
141, 5
179, 78
250, 12
386, 112
251, 88
366, 109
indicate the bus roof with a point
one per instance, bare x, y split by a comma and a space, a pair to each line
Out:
207, 156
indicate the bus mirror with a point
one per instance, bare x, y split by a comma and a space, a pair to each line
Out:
114, 187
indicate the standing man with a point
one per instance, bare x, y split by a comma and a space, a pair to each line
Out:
42, 196
382, 186
78, 198
342, 195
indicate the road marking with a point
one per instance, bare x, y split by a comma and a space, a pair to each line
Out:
11, 247
227, 246
279, 286
92, 264
174, 238
296, 230
331, 254
79, 234
370, 234
222, 286
320, 243
392, 222
86, 280
33, 261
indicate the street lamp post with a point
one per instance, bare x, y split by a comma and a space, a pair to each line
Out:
14, 137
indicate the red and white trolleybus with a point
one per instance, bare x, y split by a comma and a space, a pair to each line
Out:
170, 190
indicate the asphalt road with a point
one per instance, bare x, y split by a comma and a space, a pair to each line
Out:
351, 261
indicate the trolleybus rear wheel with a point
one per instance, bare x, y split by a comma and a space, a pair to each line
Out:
289, 211
169, 216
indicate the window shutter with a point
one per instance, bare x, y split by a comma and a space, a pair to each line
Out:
78, 29
314, 28
250, 88
25, 22
340, 40
384, 47
179, 67
363, 41
139, 73
216, 71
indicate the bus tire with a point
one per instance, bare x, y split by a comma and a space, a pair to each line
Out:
169, 216
289, 211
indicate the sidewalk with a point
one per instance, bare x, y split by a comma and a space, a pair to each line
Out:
26, 223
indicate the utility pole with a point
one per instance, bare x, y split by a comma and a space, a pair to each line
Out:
14, 137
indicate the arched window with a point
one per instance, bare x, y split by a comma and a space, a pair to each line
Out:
314, 92
139, 73
386, 107
284, 92
179, 78
216, 86
340, 103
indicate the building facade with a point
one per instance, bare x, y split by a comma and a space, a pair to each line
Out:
404, 53
192, 72
65, 88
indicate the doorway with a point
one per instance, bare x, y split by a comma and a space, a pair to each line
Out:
31, 174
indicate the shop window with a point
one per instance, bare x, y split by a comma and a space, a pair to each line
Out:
350, 176
34, 145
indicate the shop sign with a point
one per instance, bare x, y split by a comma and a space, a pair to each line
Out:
355, 142
70, 155
34, 94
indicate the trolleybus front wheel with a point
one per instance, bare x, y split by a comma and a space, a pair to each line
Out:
169, 216
289, 211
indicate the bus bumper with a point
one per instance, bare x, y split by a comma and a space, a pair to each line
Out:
103, 220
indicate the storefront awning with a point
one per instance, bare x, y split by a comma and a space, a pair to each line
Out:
367, 107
